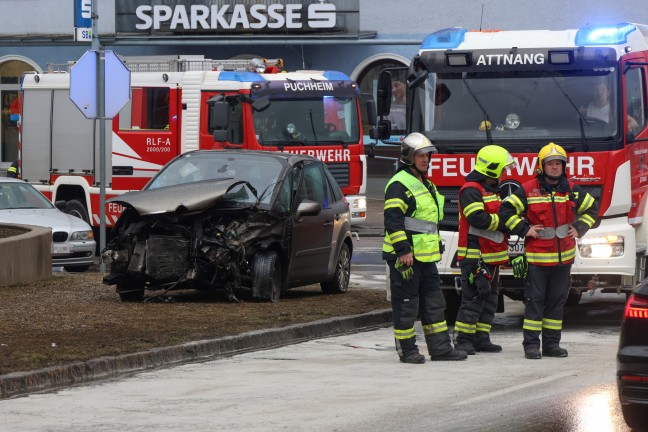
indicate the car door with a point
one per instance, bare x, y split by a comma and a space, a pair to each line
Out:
312, 234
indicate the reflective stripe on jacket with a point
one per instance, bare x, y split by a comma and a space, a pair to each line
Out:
475, 246
425, 246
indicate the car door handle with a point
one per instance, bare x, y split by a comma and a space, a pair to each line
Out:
327, 223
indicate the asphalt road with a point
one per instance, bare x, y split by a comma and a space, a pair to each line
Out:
355, 383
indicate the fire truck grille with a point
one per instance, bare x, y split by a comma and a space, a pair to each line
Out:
340, 173
450, 221
451, 210
59, 236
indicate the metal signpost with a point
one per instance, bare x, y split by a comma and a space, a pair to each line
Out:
100, 87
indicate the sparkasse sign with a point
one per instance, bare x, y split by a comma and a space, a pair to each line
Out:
237, 17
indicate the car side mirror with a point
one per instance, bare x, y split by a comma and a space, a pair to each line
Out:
60, 205
308, 208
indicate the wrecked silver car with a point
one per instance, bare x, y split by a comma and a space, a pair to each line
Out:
232, 220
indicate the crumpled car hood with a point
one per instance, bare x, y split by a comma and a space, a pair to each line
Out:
194, 196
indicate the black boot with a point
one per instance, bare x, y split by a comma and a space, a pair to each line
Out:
413, 358
532, 353
484, 344
452, 355
554, 351
464, 342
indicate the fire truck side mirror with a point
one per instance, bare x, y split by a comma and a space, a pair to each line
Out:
384, 94
219, 120
261, 104
370, 107
382, 131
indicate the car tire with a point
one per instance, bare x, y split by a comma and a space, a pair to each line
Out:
635, 416
75, 208
130, 291
267, 280
76, 269
339, 284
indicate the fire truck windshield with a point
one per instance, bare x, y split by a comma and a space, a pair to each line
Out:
578, 108
324, 120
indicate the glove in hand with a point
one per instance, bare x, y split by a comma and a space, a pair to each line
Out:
406, 271
520, 267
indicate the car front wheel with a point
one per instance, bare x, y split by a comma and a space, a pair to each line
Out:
130, 291
340, 281
266, 278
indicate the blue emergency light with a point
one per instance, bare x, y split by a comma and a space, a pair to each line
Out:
444, 39
604, 35
239, 76
336, 76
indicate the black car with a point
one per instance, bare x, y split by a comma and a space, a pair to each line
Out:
230, 220
632, 359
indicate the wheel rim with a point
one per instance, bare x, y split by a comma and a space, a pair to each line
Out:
344, 269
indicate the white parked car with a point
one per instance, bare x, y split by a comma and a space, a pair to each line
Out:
73, 244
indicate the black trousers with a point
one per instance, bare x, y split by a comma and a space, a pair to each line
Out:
420, 296
545, 294
476, 315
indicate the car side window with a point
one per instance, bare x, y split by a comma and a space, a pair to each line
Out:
335, 191
285, 193
314, 186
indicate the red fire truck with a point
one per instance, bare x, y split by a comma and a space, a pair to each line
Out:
584, 89
176, 105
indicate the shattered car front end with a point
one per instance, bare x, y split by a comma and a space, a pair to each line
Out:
200, 235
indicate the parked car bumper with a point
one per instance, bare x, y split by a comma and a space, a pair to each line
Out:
73, 253
632, 363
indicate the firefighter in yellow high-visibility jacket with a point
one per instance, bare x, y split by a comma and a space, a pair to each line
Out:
412, 246
556, 212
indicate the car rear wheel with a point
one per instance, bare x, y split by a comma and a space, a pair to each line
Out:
340, 281
635, 416
76, 269
130, 291
266, 276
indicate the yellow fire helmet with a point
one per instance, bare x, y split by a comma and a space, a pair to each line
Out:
551, 152
492, 159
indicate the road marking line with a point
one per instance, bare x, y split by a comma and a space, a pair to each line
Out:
515, 388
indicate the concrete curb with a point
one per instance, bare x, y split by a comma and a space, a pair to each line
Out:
24, 383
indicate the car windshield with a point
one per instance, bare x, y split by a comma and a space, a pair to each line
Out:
317, 121
571, 106
260, 171
21, 195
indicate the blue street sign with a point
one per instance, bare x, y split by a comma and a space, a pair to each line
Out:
83, 13
83, 85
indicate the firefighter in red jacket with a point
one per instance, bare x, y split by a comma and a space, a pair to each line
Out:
481, 248
557, 211
412, 246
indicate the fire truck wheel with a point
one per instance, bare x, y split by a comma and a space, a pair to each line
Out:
340, 281
573, 298
75, 208
266, 276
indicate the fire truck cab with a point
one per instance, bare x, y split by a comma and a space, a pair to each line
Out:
584, 89
183, 104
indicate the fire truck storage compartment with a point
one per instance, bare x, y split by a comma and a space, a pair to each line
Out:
55, 137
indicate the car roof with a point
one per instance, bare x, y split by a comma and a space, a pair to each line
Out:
10, 180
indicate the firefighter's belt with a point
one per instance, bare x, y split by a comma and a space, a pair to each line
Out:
496, 236
548, 233
420, 226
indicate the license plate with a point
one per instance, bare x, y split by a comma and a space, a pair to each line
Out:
516, 248
61, 249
